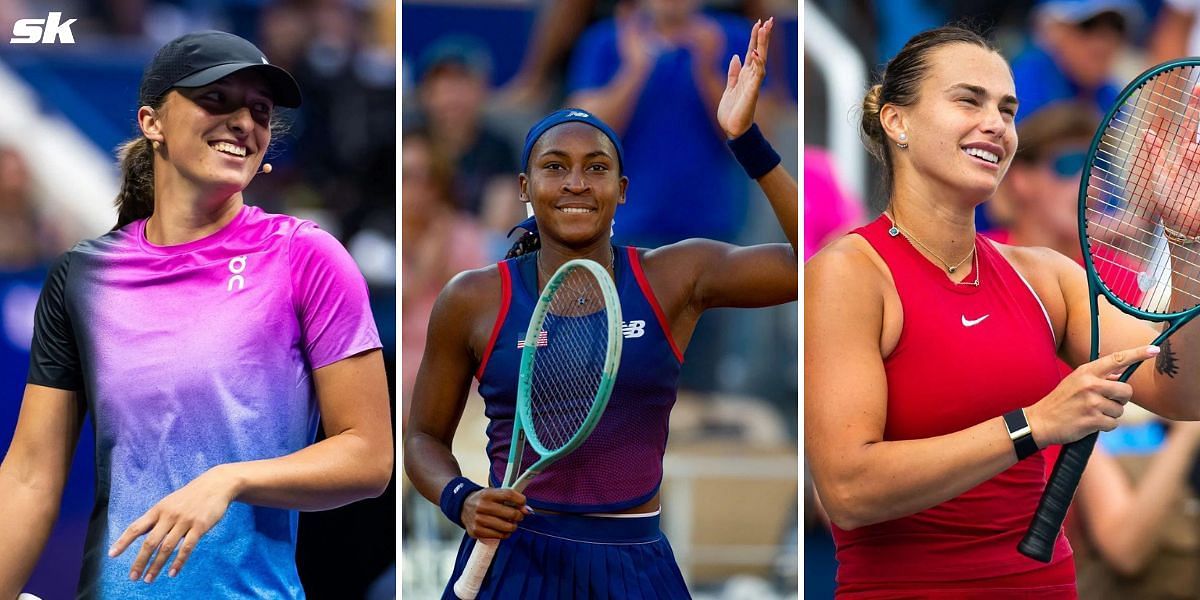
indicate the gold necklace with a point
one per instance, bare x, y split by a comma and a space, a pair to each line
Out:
897, 230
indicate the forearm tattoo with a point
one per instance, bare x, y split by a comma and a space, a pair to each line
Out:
1165, 363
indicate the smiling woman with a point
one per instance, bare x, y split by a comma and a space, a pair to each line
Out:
596, 510
207, 338
924, 447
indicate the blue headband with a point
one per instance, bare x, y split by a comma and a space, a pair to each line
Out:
568, 115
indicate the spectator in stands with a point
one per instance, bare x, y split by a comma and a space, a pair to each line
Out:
557, 27
1134, 524
1076, 44
1036, 204
19, 225
1176, 31
27, 238
655, 73
830, 210
347, 137
454, 87
439, 240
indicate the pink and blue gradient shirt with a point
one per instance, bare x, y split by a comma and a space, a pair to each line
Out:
192, 356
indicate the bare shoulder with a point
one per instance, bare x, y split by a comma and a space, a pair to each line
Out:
470, 293
849, 259
1048, 271
473, 285
1035, 259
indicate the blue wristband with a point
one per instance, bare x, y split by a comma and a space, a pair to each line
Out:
454, 495
754, 152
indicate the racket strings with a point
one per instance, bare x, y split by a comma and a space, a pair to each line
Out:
1136, 187
569, 362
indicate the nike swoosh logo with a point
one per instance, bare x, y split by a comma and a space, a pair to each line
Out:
975, 322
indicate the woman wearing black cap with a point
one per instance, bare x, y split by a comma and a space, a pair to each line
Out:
206, 337
596, 535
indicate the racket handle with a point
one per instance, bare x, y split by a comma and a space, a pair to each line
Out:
471, 579
1052, 509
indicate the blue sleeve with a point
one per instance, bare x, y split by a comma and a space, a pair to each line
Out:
595, 59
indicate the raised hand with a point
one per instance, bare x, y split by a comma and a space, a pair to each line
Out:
706, 40
1172, 158
636, 42
180, 520
735, 113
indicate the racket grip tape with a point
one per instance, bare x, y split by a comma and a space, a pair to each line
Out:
471, 579
1038, 543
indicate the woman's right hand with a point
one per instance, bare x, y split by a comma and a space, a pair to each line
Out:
494, 513
1090, 399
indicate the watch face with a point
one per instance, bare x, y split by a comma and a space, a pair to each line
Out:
1015, 422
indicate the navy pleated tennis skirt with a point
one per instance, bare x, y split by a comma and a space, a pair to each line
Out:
556, 557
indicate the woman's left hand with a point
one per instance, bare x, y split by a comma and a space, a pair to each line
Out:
183, 516
735, 113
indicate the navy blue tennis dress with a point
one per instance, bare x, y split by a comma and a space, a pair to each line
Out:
582, 553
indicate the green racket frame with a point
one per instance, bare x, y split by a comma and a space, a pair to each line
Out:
1039, 539
608, 375
468, 584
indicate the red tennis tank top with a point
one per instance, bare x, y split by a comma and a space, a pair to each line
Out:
966, 354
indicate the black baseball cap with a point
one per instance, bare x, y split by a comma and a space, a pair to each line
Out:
200, 58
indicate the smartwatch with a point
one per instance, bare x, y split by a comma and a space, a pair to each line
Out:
1020, 433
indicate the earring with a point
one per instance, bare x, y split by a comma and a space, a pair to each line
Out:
154, 143
903, 143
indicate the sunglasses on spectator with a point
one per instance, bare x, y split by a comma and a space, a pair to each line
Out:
1068, 163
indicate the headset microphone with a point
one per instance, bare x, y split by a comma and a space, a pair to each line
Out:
266, 168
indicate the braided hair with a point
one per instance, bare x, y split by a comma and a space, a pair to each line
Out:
528, 242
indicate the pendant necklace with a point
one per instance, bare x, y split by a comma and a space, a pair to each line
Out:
896, 230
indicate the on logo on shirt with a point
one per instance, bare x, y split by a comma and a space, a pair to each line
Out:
236, 266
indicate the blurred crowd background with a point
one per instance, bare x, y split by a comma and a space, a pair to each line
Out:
67, 107
475, 76
1135, 525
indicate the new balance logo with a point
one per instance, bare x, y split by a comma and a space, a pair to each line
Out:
633, 329
236, 266
50, 30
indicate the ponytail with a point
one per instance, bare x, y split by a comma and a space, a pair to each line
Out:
136, 198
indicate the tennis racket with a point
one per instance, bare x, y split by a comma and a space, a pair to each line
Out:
1138, 213
568, 366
